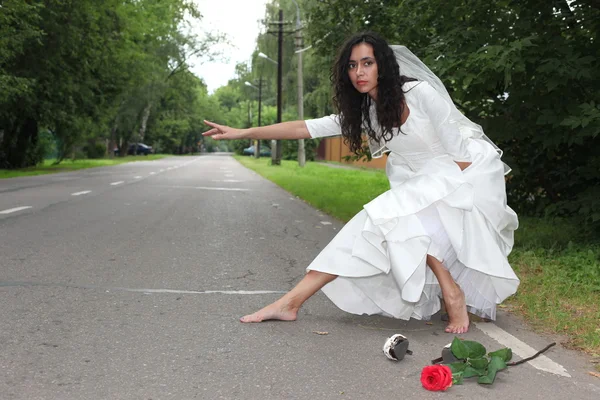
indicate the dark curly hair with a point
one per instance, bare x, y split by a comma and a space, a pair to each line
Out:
353, 106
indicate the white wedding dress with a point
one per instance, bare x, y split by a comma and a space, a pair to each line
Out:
459, 217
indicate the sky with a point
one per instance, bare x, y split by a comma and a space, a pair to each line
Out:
240, 21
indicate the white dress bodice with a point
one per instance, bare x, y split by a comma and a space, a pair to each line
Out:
427, 133
416, 142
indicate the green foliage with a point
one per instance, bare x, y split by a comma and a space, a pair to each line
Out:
463, 349
290, 149
527, 71
474, 362
19, 25
504, 354
47, 144
238, 146
95, 150
93, 70
470, 371
175, 122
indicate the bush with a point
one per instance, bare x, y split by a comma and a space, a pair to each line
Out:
35, 155
47, 144
95, 150
238, 146
78, 154
290, 149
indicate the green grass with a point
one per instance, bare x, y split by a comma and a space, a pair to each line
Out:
558, 264
337, 191
559, 270
47, 166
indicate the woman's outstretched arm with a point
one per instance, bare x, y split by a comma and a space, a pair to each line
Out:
284, 130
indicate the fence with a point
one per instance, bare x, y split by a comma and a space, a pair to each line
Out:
334, 149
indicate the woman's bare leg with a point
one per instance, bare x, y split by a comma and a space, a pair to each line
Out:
453, 297
286, 308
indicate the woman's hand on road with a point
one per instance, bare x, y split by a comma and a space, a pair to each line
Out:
222, 132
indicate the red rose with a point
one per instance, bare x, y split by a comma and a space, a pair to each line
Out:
436, 377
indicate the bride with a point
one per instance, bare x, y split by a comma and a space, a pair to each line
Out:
442, 231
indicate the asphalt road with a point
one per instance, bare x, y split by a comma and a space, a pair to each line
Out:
127, 282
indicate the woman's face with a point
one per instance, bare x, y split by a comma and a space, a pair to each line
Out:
362, 69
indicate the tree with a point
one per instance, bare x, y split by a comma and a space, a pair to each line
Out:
87, 67
527, 71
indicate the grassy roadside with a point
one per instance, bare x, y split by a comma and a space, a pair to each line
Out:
558, 266
70, 165
337, 191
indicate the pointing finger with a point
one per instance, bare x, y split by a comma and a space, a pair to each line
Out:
212, 124
211, 132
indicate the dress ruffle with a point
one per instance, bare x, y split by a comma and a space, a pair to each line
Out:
459, 217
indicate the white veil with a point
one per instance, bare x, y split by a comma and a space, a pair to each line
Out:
413, 67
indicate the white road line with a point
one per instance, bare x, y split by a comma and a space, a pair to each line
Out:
162, 170
140, 290
225, 189
137, 177
152, 173
80, 193
521, 349
203, 292
229, 175
12, 210
117, 183
227, 180
326, 222
208, 188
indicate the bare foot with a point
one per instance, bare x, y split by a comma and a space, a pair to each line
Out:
457, 312
278, 310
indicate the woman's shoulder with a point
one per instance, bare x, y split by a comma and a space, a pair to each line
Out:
418, 90
410, 85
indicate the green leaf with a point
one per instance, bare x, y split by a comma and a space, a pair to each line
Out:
468, 79
475, 349
497, 363
470, 372
551, 85
479, 363
457, 367
459, 349
505, 354
457, 379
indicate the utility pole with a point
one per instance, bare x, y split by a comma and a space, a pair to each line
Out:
276, 155
277, 152
259, 88
301, 151
249, 117
257, 148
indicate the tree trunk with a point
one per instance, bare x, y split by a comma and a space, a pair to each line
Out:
7, 137
111, 141
143, 124
19, 145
